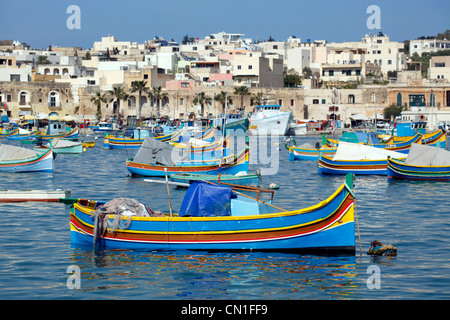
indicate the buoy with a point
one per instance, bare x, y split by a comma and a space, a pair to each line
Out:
84, 149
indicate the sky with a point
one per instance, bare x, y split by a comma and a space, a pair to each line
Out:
45, 22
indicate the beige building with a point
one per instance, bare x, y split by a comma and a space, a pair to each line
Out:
439, 69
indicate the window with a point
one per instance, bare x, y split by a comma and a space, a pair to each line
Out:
439, 64
91, 82
145, 76
324, 101
389, 61
331, 73
358, 72
239, 67
181, 101
250, 67
185, 84
351, 98
373, 97
292, 102
15, 77
280, 102
315, 101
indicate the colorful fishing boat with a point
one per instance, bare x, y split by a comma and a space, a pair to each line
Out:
435, 139
72, 134
88, 143
154, 156
357, 159
217, 217
17, 159
238, 179
61, 146
309, 152
23, 134
5, 133
423, 163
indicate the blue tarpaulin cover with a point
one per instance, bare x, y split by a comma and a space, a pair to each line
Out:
206, 200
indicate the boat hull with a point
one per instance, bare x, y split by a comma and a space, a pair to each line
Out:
308, 154
359, 167
40, 163
277, 124
236, 165
33, 195
399, 170
326, 227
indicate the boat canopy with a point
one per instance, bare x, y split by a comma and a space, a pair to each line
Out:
207, 200
356, 151
423, 155
8, 152
153, 151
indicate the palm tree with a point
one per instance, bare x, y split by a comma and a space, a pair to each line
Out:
258, 98
118, 93
222, 97
241, 91
157, 95
97, 99
202, 98
139, 86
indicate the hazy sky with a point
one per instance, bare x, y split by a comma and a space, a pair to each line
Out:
43, 23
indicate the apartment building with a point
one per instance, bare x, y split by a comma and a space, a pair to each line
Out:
439, 69
420, 46
10, 70
378, 50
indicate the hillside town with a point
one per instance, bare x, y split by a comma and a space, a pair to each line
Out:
343, 84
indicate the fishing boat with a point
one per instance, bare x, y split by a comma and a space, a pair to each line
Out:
422, 163
268, 119
58, 130
22, 134
154, 156
88, 143
17, 159
390, 144
358, 159
308, 152
217, 217
61, 146
5, 133
237, 179
54, 195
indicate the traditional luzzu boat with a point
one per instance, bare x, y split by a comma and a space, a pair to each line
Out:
358, 159
308, 152
17, 159
88, 143
423, 163
22, 134
213, 217
154, 156
127, 140
435, 139
72, 134
7, 133
61, 146
371, 139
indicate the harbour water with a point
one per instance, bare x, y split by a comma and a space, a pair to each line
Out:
36, 257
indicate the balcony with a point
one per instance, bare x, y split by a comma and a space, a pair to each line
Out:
54, 105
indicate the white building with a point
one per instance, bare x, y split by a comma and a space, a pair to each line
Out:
420, 46
379, 50
10, 71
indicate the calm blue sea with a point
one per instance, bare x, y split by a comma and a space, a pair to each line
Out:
36, 254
